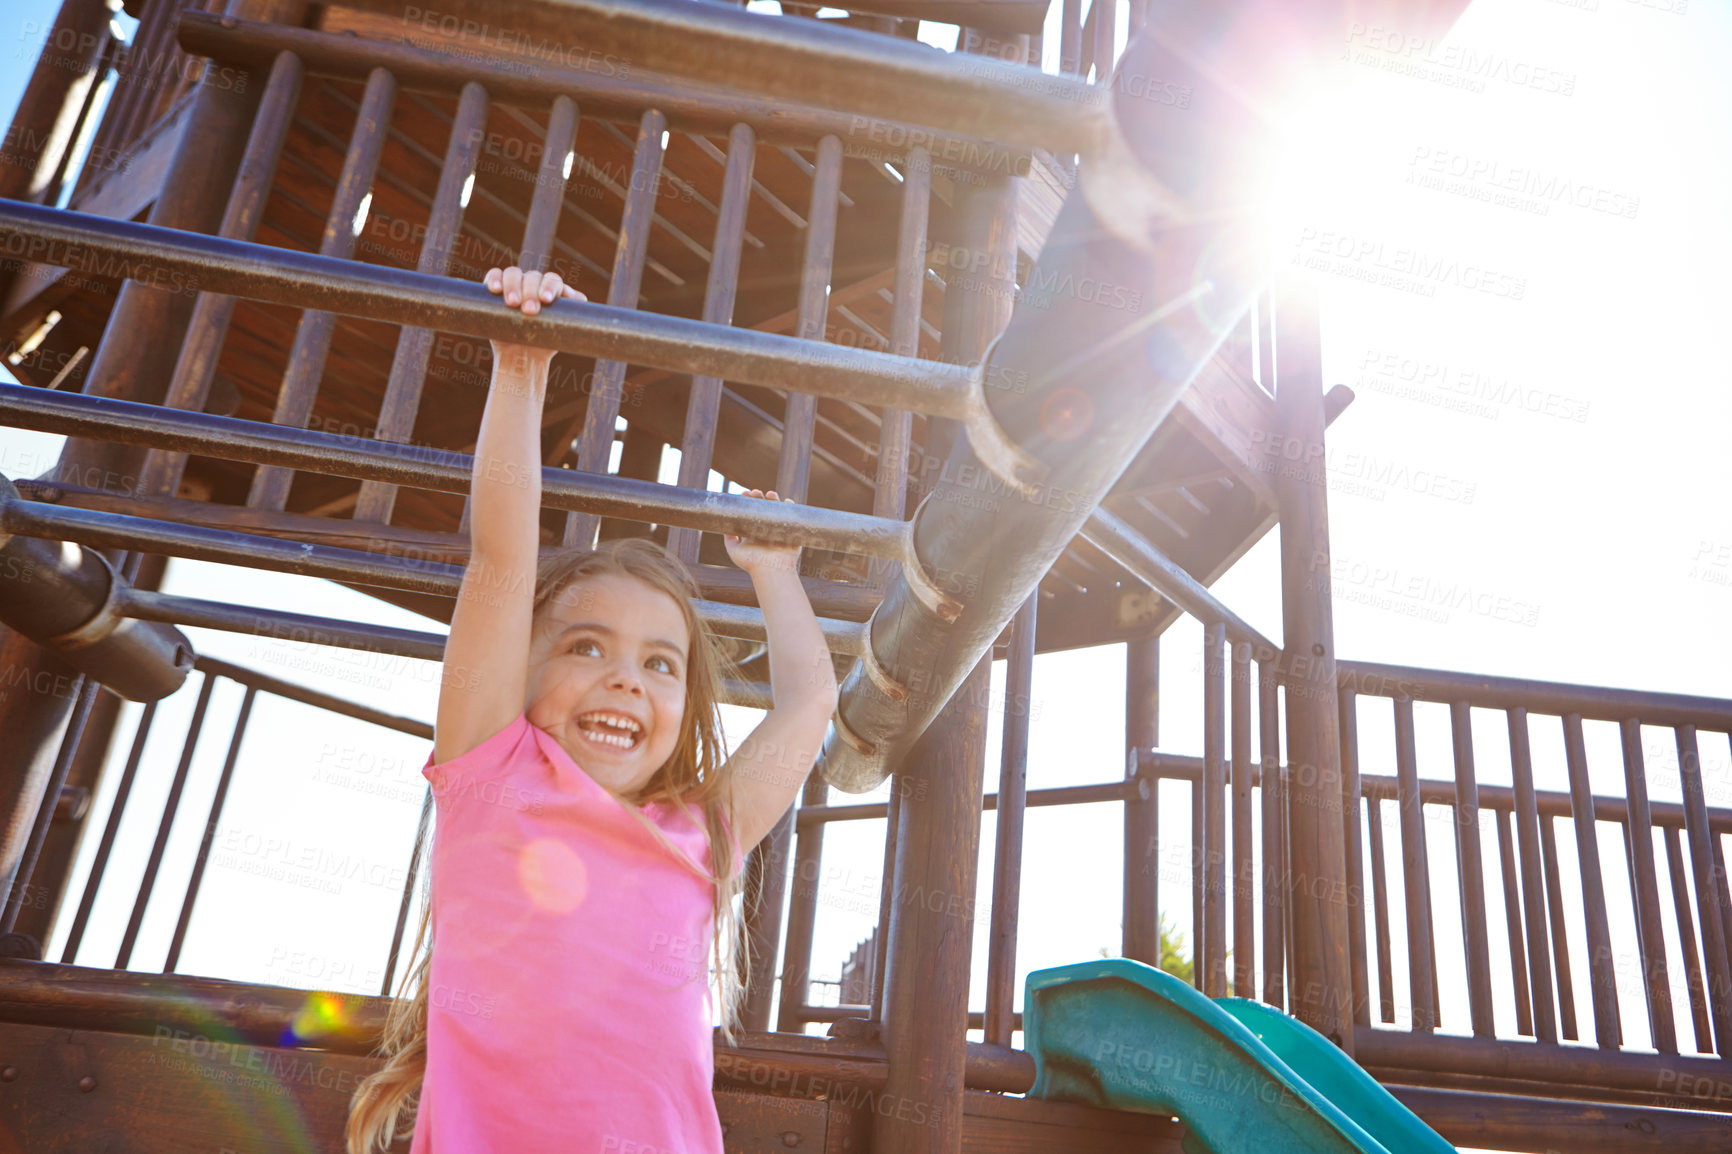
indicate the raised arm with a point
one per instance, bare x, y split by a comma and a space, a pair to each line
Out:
487, 653
772, 764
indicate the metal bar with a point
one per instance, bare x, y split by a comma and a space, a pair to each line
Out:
210, 828
1512, 906
794, 462
1549, 697
349, 203
415, 857
437, 469
1380, 909
1008, 841
703, 402
1276, 876
415, 344
1699, 1021
1470, 873
1707, 878
601, 411
620, 96
1415, 873
1213, 954
173, 258
147, 884
75, 726
1142, 885
1125, 545
196, 365
1527, 822
331, 703
116, 811
896, 426
1109, 791
722, 619
1608, 1031
1244, 857
1560, 940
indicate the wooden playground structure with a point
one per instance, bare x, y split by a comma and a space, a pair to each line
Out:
1022, 412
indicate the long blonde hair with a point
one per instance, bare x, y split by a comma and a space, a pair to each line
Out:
692, 776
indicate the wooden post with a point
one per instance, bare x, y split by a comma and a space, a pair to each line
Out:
1322, 993
931, 930
1142, 913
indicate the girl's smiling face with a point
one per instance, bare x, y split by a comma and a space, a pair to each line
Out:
607, 678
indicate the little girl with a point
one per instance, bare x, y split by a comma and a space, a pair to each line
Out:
591, 827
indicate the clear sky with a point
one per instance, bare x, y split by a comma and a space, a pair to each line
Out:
1522, 238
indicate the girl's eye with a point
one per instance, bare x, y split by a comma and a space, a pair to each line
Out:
662, 663
584, 645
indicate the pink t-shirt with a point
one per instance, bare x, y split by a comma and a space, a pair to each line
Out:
569, 1006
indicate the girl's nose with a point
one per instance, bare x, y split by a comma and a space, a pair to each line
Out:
623, 675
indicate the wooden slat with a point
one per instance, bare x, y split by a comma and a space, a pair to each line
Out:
415, 345
1008, 841
300, 384
1470, 872
1650, 934
595, 430
1415, 874
764, 923
1275, 872
1693, 983
1708, 902
1513, 919
1213, 954
196, 365
1560, 939
1244, 859
697, 447
896, 428
1380, 909
1351, 800
794, 464
802, 914
1527, 822
1608, 1030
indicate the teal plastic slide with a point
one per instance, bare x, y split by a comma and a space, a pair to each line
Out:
1244, 1078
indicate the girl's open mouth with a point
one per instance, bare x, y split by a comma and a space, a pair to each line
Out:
611, 728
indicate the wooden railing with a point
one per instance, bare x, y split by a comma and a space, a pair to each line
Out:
1675, 896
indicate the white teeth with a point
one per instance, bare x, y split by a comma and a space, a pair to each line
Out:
606, 727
